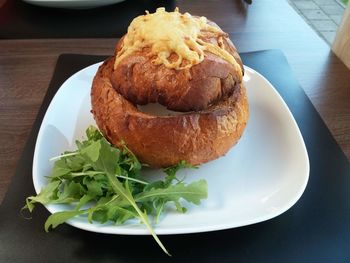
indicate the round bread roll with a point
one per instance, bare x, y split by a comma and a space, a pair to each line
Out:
185, 63
162, 141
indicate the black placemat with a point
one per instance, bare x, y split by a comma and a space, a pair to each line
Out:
315, 229
21, 20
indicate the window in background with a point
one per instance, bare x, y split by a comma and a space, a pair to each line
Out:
324, 16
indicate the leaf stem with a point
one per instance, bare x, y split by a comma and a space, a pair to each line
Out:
62, 156
119, 176
132, 179
161, 193
118, 188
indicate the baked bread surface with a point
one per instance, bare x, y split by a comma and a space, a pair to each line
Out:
141, 81
161, 141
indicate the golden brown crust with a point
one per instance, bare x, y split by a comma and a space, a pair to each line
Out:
139, 80
196, 137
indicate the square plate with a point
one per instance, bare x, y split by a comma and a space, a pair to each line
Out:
260, 178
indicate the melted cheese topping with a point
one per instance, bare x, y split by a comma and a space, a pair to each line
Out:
166, 33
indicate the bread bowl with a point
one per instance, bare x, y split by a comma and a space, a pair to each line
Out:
208, 90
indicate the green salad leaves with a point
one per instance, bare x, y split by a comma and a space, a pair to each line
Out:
103, 183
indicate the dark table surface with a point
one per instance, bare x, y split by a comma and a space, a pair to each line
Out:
19, 19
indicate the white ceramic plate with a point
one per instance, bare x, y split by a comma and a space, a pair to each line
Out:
258, 179
73, 4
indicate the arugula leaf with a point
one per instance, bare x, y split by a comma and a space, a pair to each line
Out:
107, 158
71, 192
131, 159
118, 188
159, 205
86, 198
91, 151
93, 134
120, 215
60, 217
94, 188
46, 195
172, 170
193, 192
60, 168
75, 162
107, 182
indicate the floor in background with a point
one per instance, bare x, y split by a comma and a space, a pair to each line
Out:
324, 16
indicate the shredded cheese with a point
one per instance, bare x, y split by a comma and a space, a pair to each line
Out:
166, 33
